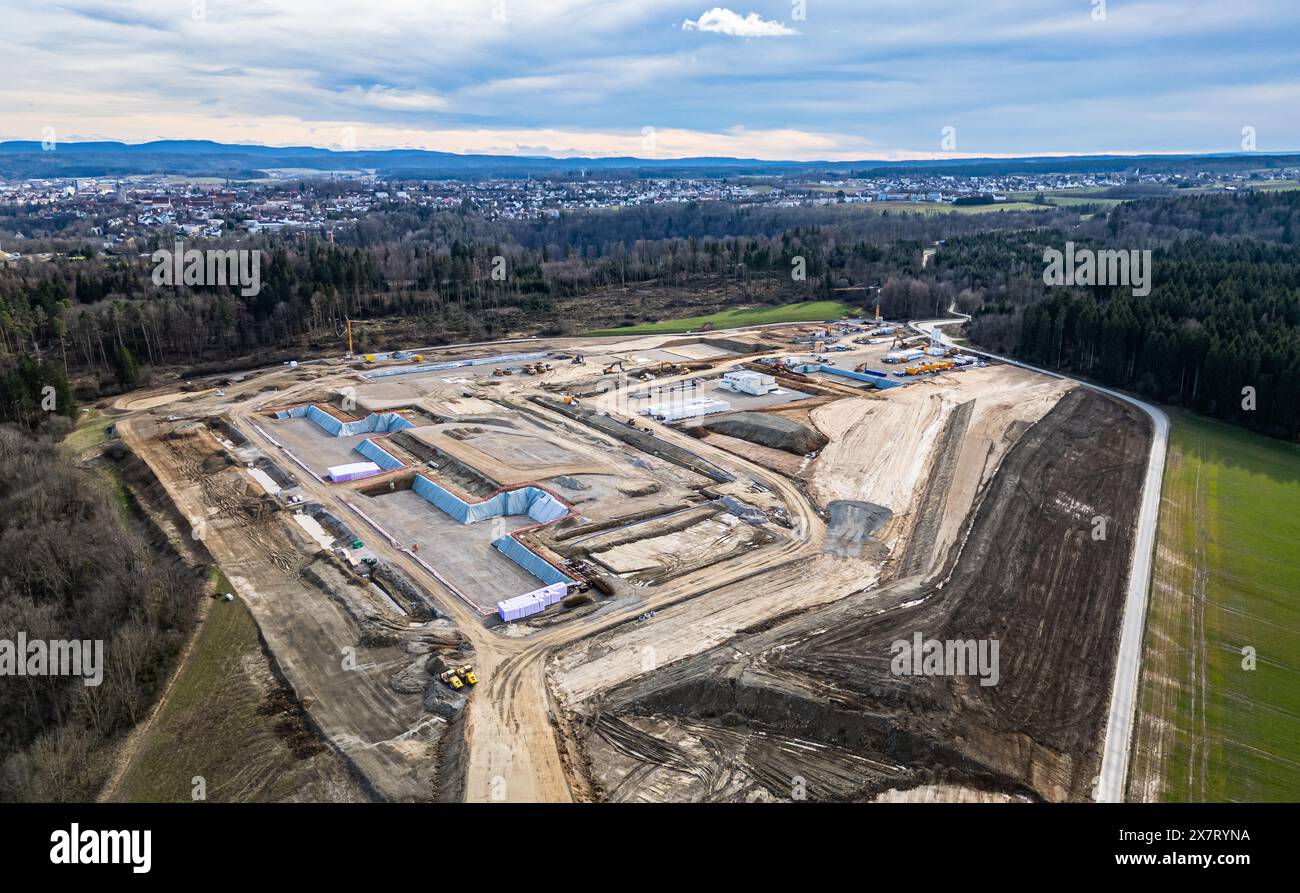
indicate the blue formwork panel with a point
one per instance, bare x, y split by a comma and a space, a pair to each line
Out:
534, 502
326, 422
375, 423
378, 455
530, 561
442, 499
876, 379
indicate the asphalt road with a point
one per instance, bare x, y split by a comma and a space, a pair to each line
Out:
1128, 665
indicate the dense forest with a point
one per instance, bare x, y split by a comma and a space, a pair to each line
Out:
1222, 315
74, 567
104, 317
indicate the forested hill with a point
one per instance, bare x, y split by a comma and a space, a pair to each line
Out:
1222, 316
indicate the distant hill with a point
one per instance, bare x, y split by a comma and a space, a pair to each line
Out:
26, 158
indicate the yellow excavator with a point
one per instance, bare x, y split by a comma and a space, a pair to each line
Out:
616, 366
570, 400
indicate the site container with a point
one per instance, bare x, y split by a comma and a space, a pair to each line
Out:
676, 410
352, 471
531, 602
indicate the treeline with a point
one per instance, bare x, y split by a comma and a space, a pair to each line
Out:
1218, 333
459, 275
72, 567
32, 393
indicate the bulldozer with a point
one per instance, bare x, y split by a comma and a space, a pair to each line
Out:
466, 672
452, 678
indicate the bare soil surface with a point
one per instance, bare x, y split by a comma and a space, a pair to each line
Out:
811, 707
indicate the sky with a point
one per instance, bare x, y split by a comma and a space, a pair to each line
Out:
774, 79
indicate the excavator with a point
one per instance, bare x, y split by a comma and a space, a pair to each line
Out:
616, 366
570, 400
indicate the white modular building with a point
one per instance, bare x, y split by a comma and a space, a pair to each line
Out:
352, 471
687, 408
746, 382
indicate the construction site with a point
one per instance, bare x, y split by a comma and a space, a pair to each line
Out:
671, 568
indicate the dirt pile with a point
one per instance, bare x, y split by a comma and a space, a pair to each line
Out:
767, 430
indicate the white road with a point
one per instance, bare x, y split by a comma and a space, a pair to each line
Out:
1128, 666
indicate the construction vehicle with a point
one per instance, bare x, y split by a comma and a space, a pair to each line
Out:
570, 400
497, 373
466, 672
616, 366
450, 677
579, 360
924, 368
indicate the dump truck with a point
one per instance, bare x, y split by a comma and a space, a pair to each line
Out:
466, 672
451, 678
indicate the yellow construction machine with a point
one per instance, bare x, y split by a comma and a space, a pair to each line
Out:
466, 672
452, 678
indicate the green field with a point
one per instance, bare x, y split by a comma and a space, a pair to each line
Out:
214, 725
811, 311
1227, 578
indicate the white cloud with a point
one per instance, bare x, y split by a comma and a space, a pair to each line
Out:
724, 21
